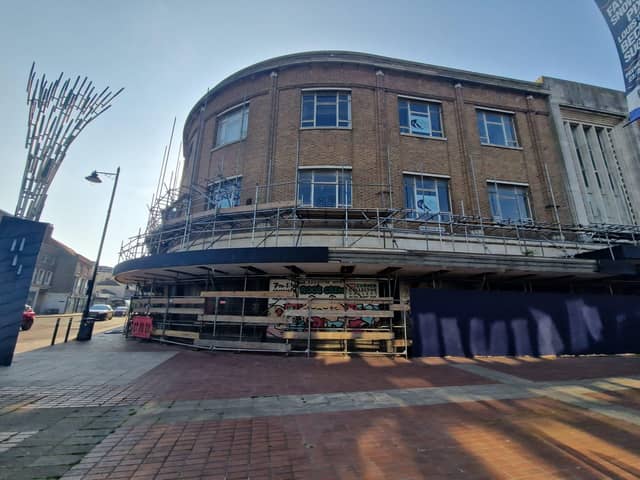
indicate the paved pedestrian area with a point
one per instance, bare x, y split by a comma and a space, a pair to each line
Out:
117, 409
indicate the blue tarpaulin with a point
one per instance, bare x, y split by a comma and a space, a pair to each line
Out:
470, 323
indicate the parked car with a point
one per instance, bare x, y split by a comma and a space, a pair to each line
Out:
101, 311
121, 311
28, 316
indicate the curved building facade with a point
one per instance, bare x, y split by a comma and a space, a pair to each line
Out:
319, 185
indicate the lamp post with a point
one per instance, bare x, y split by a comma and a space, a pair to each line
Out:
86, 324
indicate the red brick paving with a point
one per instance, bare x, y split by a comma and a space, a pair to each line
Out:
565, 368
519, 439
204, 375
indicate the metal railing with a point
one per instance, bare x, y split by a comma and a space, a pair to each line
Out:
288, 221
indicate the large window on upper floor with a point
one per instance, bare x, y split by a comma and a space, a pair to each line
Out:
326, 109
427, 197
509, 202
232, 125
324, 187
420, 118
224, 193
496, 128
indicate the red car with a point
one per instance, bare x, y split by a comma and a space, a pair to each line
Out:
28, 316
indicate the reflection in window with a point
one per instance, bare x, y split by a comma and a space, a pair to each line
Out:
326, 109
324, 188
224, 193
427, 198
232, 126
509, 203
420, 118
496, 128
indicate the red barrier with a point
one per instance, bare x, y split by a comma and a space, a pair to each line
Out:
141, 326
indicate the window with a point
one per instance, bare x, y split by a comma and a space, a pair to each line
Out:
232, 125
509, 202
427, 198
324, 188
600, 134
420, 118
326, 109
574, 137
224, 193
496, 128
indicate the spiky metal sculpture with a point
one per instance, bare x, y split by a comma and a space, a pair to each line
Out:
58, 112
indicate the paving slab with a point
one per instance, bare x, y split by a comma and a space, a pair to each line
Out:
118, 409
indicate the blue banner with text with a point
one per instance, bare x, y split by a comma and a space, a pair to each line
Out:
623, 18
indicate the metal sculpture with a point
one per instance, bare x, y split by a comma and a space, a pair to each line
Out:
58, 112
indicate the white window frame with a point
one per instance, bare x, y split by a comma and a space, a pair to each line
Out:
325, 91
429, 103
211, 189
441, 216
497, 216
224, 118
348, 186
484, 135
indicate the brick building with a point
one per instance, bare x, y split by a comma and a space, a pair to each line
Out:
317, 185
60, 279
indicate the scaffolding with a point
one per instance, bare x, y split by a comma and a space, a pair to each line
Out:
221, 315
289, 223
308, 326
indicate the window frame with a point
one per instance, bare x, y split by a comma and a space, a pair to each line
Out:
237, 192
424, 101
485, 139
306, 124
515, 186
441, 216
224, 117
342, 189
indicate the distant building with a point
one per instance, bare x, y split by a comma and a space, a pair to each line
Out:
60, 279
107, 290
601, 152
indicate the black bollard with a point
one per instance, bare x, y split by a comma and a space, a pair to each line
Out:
55, 332
66, 335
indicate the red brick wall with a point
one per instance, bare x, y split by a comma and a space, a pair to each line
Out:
373, 147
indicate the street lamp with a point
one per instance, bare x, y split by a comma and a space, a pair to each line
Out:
86, 324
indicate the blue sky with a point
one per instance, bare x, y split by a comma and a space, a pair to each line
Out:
167, 53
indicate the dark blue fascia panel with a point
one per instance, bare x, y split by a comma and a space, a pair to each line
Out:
20, 242
223, 256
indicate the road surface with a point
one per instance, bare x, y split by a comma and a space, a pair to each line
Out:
40, 334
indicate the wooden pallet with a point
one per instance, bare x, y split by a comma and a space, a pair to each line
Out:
158, 332
246, 320
337, 335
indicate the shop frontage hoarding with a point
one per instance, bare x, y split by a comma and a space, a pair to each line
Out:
348, 295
